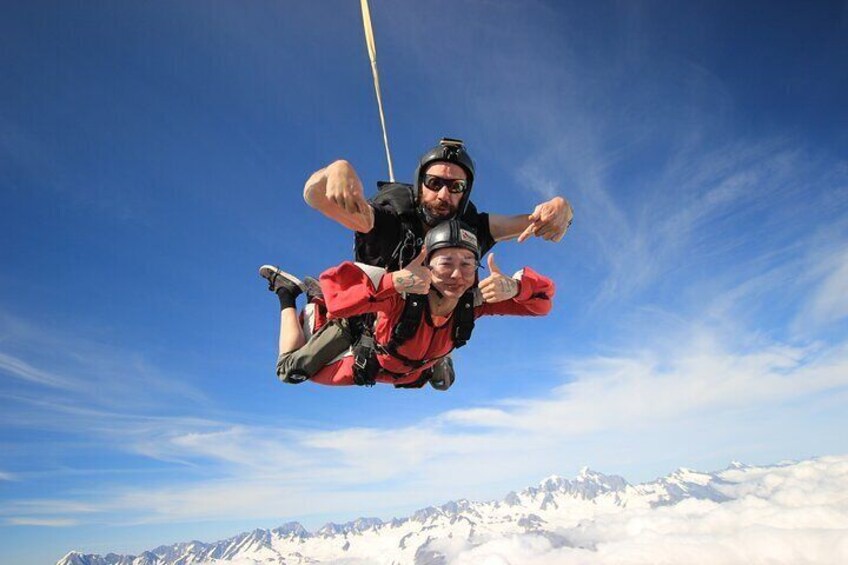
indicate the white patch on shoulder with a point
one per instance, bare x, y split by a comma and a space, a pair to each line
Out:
374, 273
308, 320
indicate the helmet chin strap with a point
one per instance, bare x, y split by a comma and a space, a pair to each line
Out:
437, 291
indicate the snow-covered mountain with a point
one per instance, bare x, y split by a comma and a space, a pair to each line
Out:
558, 518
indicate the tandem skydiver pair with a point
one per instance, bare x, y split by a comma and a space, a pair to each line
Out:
412, 295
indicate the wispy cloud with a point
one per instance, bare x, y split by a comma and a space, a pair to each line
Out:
829, 300
644, 144
80, 376
20, 369
269, 471
709, 203
41, 507
45, 522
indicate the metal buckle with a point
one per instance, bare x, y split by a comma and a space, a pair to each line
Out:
360, 361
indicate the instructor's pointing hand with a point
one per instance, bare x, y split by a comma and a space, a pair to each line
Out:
550, 220
414, 278
344, 189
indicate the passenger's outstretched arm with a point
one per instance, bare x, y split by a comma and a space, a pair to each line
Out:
549, 220
497, 287
529, 293
351, 289
337, 192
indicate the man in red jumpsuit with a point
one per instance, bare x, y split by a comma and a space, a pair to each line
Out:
444, 276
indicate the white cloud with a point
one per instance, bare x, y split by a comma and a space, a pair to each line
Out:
267, 471
696, 374
698, 210
19, 369
829, 301
791, 514
43, 522
64, 373
42, 507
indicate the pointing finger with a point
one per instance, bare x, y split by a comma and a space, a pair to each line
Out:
528, 231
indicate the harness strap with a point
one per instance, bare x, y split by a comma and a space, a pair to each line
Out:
420, 381
414, 363
463, 323
410, 319
366, 366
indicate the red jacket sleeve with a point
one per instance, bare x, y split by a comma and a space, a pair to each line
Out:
534, 298
351, 289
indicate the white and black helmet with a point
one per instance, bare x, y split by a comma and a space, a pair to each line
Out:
451, 233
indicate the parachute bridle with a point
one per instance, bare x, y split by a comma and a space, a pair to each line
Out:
372, 54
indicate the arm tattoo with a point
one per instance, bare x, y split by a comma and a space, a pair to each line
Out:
507, 285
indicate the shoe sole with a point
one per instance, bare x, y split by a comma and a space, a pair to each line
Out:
267, 272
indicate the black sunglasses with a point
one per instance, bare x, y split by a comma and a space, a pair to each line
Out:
454, 186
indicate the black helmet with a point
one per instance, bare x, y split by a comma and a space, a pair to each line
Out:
451, 151
451, 233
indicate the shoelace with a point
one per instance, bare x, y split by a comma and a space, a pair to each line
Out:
272, 279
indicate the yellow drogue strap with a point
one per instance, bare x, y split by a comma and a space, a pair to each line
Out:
372, 54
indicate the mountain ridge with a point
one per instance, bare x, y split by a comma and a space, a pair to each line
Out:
540, 510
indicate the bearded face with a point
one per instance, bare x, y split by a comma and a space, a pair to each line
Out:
441, 204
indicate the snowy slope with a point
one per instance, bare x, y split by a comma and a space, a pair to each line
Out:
593, 515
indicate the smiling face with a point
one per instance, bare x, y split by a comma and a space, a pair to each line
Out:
453, 271
441, 204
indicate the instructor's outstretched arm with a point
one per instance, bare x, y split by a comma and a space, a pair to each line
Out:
337, 192
549, 220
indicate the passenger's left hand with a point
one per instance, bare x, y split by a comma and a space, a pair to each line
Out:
497, 287
550, 220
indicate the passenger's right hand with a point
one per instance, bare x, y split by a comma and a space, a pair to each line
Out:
344, 189
414, 278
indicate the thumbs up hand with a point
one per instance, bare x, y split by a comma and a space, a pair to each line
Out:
497, 287
414, 278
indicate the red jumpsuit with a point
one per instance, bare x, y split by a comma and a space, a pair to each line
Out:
349, 291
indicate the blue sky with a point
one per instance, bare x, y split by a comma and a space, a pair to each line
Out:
152, 156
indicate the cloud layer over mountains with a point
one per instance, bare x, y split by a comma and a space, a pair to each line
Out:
786, 513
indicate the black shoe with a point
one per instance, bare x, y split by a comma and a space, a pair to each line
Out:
313, 289
278, 279
443, 374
